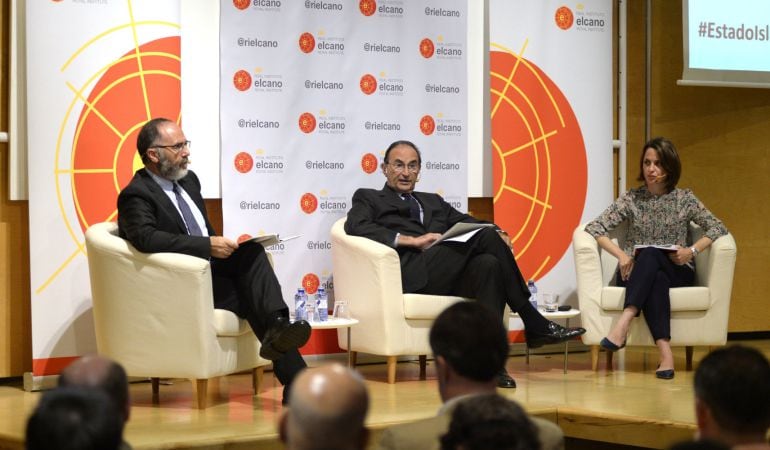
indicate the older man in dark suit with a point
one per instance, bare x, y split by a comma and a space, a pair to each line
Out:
161, 210
483, 267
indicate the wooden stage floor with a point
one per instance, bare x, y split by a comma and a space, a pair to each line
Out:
625, 406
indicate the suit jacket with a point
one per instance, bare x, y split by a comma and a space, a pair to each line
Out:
380, 215
425, 434
149, 220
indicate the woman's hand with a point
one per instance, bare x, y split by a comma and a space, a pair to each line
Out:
625, 264
681, 256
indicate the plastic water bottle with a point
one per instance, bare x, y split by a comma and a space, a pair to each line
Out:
300, 300
532, 293
322, 304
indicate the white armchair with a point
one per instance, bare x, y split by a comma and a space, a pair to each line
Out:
367, 275
698, 314
154, 314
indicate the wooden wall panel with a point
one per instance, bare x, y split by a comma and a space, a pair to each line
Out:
723, 136
15, 331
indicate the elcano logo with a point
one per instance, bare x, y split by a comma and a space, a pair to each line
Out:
243, 162
427, 125
308, 203
241, 4
427, 48
311, 282
307, 122
242, 80
564, 18
369, 163
368, 84
306, 42
367, 7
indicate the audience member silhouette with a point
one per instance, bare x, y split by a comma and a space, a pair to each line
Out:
490, 422
327, 408
72, 418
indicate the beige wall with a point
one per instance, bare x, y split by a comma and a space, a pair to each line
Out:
723, 135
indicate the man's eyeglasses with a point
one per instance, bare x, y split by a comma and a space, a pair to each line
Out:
400, 167
176, 148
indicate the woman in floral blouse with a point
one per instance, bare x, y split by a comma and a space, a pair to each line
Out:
658, 213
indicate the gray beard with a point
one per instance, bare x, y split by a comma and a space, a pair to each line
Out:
170, 171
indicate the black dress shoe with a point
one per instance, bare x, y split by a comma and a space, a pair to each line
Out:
284, 336
504, 380
665, 374
555, 333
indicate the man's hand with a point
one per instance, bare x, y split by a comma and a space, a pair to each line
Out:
421, 242
222, 247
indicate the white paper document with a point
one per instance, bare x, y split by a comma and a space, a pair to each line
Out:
461, 232
666, 248
271, 239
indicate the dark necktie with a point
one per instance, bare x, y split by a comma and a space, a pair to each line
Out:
192, 225
414, 207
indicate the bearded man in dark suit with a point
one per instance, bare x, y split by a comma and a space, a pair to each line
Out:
483, 268
161, 210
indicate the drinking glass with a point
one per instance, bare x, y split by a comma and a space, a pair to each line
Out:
341, 310
551, 302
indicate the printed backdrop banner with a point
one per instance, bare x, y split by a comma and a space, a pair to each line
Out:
97, 72
312, 92
551, 107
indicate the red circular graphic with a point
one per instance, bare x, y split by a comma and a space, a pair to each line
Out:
564, 18
307, 122
308, 203
368, 84
104, 156
310, 282
243, 162
369, 163
427, 125
306, 42
427, 48
241, 4
242, 238
367, 7
242, 80
539, 164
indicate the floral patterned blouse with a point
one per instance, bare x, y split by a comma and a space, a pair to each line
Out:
656, 220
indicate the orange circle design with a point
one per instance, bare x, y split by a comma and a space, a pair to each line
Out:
564, 18
311, 282
243, 238
241, 4
427, 125
104, 154
539, 164
367, 7
368, 84
308, 203
427, 48
243, 162
369, 163
242, 80
306, 42
307, 122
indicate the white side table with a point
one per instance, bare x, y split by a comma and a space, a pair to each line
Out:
336, 322
566, 315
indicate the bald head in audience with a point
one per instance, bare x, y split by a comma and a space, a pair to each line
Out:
98, 372
327, 408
